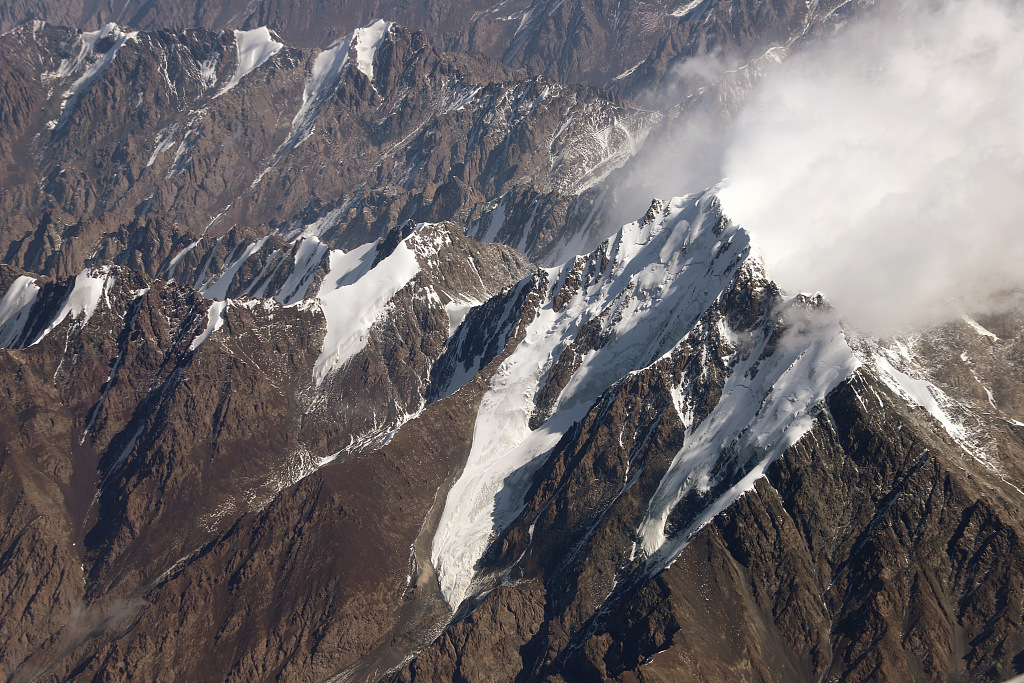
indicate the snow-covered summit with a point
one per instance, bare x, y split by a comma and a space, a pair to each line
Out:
658, 284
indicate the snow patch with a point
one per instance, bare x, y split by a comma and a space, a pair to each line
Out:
173, 265
253, 48
214, 321
356, 294
978, 328
15, 308
366, 41
326, 69
918, 392
164, 141
683, 10
629, 72
83, 299
457, 312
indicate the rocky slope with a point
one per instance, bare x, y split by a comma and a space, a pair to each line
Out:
208, 132
632, 46
168, 418
422, 459
761, 498
336, 363
121, 146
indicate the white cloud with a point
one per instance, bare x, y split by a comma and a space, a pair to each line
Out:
886, 167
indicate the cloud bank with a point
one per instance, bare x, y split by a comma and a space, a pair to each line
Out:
886, 168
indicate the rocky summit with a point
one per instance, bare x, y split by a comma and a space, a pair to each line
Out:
343, 341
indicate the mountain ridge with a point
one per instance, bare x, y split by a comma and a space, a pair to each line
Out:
341, 364
561, 601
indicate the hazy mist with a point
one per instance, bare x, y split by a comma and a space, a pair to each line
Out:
886, 168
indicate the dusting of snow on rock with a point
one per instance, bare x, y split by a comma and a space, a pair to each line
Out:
173, 265
307, 257
164, 141
898, 364
591, 143
219, 288
895, 365
208, 70
326, 69
15, 308
252, 48
94, 66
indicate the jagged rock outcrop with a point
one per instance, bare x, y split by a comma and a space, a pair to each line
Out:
164, 419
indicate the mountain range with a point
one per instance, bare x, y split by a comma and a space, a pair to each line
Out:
341, 342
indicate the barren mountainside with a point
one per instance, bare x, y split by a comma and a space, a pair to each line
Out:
325, 356
628, 46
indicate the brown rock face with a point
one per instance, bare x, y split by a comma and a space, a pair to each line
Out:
592, 42
174, 476
864, 555
867, 553
114, 136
